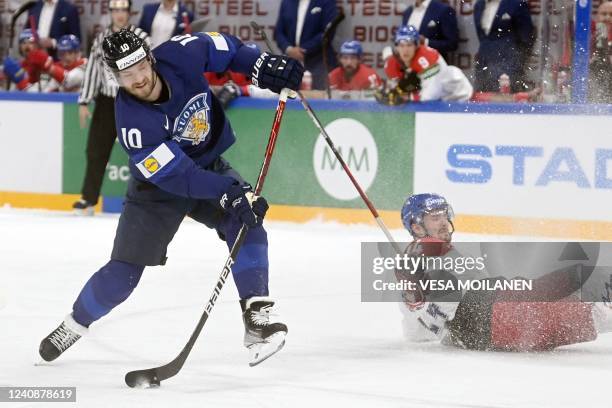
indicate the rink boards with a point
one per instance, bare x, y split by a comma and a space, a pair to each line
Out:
507, 169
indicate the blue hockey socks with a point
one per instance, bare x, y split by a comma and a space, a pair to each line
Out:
250, 270
107, 288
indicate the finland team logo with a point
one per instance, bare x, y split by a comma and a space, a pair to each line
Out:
193, 123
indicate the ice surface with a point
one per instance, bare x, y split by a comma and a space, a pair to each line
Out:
339, 351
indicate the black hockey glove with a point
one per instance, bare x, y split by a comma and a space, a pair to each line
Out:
276, 72
410, 83
228, 93
240, 202
390, 98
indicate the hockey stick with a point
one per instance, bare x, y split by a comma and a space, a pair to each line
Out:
24, 7
331, 145
325, 46
32, 22
154, 376
259, 29
186, 25
348, 172
199, 24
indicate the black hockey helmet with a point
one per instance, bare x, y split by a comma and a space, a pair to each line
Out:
123, 49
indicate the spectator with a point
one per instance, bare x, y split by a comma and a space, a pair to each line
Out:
165, 20
27, 72
352, 74
603, 18
53, 19
600, 78
437, 22
416, 72
65, 75
102, 88
506, 35
299, 34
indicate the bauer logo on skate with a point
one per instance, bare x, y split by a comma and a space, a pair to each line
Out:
193, 124
358, 149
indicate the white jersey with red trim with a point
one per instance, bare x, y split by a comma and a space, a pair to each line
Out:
438, 80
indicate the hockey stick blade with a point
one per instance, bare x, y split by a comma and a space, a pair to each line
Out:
154, 376
199, 24
143, 378
24, 7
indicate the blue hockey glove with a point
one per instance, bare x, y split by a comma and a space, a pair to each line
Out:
13, 70
276, 72
240, 202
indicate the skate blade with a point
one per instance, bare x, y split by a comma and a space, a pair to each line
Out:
87, 212
262, 351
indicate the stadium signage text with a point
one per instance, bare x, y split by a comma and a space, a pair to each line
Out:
473, 163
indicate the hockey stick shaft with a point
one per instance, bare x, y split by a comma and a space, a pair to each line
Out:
325, 46
330, 143
32, 21
156, 375
24, 7
186, 23
260, 29
349, 173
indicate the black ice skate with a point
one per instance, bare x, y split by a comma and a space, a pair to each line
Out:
58, 341
83, 207
262, 337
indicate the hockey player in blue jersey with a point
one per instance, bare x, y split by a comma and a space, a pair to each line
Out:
174, 131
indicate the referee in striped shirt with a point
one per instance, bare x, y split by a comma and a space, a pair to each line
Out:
102, 89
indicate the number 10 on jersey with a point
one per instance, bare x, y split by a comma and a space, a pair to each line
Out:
131, 138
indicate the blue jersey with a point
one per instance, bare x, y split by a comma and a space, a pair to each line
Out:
170, 144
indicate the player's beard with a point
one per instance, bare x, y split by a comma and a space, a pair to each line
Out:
144, 89
349, 71
444, 234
